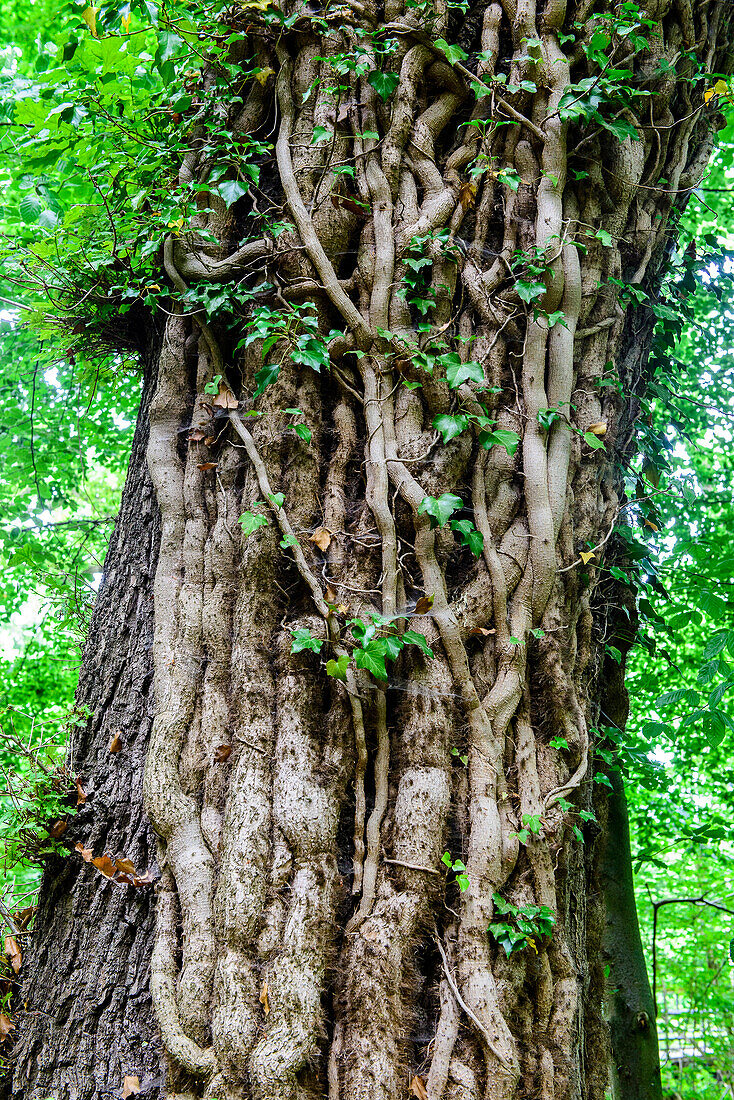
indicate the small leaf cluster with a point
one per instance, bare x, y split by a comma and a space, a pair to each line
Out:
517, 927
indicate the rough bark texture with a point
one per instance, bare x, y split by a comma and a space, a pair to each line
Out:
308, 941
88, 1018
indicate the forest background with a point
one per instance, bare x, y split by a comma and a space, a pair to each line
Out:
66, 426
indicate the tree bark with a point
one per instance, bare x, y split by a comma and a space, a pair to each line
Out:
87, 1018
309, 941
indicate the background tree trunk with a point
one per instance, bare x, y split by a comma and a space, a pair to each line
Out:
88, 1019
309, 941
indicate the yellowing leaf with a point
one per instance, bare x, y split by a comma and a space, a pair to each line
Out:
467, 194
719, 88
653, 526
599, 428
262, 75
586, 556
424, 605
89, 15
264, 999
130, 1087
116, 743
126, 20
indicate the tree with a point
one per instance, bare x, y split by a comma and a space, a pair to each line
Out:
366, 609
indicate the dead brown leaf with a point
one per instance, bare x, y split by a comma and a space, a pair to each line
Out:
6, 1026
599, 428
225, 399
130, 1087
330, 594
207, 465
24, 916
126, 866
81, 794
424, 605
467, 194
418, 1088
222, 752
196, 437
104, 865
264, 999
481, 632
58, 829
116, 743
322, 538
144, 880
13, 952
86, 853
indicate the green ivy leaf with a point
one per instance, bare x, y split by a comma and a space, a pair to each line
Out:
372, 661
450, 426
250, 522
458, 372
594, 442
231, 190
265, 377
451, 53
440, 509
383, 83
500, 437
469, 535
303, 639
412, 637
338, 668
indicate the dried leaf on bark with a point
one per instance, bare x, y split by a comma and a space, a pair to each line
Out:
86, 853
598, 429
104, 865
116, 743
126, 866
58, 829
322, 538
81, 794
130, 1087
13, 952
6, 1026
424, 605
222, 752
225, 399
418, 1088
264, 999
482, 632
207, 465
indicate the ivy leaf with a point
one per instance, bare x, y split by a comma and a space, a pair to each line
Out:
469, 535
320, 133
530, 290
451, 53
412, 637
338, 668
304, 639
440, 509
594, 442
450, 426
372, 661
383, 83
620, 127
277, 499
250, 522
303, 432
265, 377
458, 372
499, 437
231, 190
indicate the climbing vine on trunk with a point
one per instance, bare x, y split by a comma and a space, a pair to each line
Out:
407, 337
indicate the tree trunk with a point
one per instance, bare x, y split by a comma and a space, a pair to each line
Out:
398, 653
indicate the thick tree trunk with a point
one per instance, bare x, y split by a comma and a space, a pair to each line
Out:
88, 1020
309, 941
